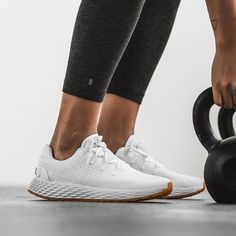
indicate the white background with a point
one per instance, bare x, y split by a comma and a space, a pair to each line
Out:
34, 46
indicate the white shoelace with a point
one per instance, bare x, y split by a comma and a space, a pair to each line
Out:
97, 151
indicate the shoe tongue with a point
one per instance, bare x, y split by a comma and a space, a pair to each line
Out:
130, 141
127, 145
89, 139
138, 143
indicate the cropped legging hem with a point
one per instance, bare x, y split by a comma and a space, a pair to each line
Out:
88, 93
97, 95
128, 93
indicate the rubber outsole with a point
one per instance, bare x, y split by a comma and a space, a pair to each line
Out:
158, 195
186, 195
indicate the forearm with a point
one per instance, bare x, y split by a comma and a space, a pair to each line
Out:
223, 19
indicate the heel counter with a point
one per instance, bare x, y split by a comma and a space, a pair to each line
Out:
42, 173
41, 168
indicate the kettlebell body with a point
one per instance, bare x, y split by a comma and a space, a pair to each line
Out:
220, 166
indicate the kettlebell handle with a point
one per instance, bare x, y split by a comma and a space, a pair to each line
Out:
225, 123
201, 120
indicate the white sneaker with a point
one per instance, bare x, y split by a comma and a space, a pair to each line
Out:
94, 173
135, 154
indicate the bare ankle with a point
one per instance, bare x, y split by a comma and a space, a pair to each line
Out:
115, 140
117, 120
77, 120
65, 146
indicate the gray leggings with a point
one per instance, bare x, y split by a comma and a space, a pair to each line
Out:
116, 47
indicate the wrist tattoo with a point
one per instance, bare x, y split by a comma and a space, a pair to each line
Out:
214, 24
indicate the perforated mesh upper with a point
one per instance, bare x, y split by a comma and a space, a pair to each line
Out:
72, 170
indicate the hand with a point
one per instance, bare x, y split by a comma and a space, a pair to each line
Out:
224, 79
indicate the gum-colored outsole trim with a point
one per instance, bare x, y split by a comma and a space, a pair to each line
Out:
186, 195
159, 195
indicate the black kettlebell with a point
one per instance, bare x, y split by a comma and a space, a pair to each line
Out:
220, 166
225, 123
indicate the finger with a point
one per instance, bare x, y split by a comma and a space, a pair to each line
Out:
217, 96
234, 97
227, 97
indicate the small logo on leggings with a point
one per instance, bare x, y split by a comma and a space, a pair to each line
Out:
90, 82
